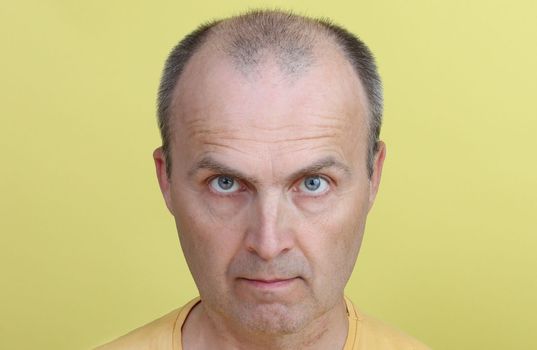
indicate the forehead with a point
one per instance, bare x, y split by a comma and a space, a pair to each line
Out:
215, 103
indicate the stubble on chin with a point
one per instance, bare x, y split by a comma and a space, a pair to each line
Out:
260, 319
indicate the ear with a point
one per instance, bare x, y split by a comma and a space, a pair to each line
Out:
163, 180
374, 182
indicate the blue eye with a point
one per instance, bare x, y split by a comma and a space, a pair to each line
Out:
224, 184
313, 185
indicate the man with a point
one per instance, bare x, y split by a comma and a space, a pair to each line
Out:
270, 164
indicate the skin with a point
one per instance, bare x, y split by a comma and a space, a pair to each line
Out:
270, 257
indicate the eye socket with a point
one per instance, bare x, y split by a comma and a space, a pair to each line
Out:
224, 184
314, 185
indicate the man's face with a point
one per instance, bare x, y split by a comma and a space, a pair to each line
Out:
269, 187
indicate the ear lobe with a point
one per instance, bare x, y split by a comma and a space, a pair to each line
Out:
162, 177
378, 164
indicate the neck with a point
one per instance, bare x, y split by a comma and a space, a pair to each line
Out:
204, 329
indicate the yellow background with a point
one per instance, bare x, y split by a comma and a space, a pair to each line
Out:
88, 250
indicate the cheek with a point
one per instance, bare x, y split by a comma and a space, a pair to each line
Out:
209, 236
337, 238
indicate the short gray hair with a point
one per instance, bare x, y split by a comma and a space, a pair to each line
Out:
291, 38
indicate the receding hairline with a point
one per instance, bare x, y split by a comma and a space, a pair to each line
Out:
218, 42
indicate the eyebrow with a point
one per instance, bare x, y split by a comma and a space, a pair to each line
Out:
210, 163
321, 164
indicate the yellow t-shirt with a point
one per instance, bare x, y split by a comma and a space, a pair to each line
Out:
365, 333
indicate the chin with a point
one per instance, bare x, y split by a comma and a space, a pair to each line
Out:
274, 319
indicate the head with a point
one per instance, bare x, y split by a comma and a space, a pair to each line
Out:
270, 163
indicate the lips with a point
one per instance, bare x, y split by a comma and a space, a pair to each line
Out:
268, 283
268, 280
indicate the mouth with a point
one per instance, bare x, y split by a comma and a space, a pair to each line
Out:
268, 283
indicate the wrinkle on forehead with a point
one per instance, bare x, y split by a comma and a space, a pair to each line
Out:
207, 130
273, 146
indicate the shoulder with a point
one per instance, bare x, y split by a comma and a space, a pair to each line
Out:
154, 335
366, 332
375, 334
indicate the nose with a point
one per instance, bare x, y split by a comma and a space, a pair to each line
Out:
269, 231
